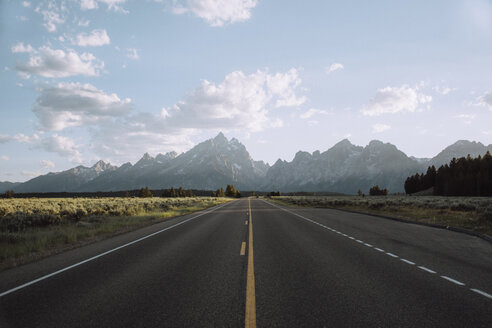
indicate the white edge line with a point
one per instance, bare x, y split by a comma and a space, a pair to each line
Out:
453, 281
478, 291
379, 249
391, 254
103, 254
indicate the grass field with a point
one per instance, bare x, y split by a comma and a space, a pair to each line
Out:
34, 228
471, 213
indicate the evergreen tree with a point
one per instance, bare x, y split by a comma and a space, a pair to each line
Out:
230, 191
172, 192
145, 192
220, 192
376, 191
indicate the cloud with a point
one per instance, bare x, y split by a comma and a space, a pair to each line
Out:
75, 104
83, 23
30, 174
466, 118
313, 111
63, 146
94, 39
47, 164
22, 138
88, 4
240, 101
391, 100
333, 67
132, 53
4, 158
216, 12
486, 100
442, 90
52, 63
378, 128
21, 48
53, 14
26, 4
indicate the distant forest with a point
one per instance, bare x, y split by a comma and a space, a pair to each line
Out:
464, 176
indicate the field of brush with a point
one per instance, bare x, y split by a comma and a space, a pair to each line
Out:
471, 213
32, 228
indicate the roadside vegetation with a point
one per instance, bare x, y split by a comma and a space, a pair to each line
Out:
32, 228
471, 213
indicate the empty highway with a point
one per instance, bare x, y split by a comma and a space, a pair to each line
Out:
257, 264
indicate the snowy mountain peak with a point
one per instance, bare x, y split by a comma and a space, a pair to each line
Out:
101, 166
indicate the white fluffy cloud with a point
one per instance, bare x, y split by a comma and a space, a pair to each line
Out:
392, 100
75, 104
21, 48
63, 146
216, 12
52, 63
114, 5
486, 100
47, 164
94, 39
240, 101
442, 89
4, 158
88, 4
132, 53
313, 111
333, 67
53, 13
379, 127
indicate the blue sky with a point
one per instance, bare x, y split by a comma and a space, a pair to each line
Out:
84, 80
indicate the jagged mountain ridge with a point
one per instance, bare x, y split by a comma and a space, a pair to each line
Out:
217, 162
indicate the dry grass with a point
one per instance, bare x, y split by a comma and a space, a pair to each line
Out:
471, 213
34, 228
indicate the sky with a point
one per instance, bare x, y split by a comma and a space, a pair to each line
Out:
84, 80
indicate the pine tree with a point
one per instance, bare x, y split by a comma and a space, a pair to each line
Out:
230, 191
145, 192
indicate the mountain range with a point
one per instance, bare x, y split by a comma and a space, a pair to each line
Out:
214, 163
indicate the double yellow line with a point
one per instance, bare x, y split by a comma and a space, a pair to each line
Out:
250, 318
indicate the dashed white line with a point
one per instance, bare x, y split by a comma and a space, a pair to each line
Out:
408, 262
478, 291
453, 281
426, 269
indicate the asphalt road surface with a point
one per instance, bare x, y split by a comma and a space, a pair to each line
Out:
252, 263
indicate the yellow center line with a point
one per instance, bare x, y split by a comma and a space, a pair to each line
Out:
243, 248
250, 317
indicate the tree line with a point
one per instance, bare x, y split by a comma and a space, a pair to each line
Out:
465, 176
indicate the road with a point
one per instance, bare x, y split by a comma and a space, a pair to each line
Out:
275, 267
